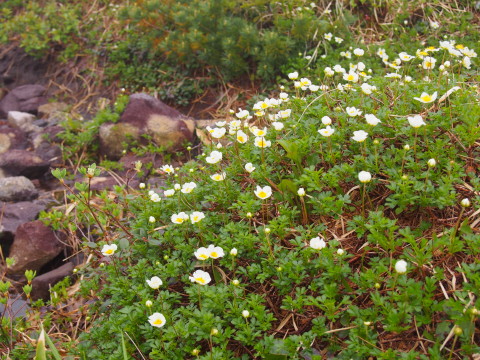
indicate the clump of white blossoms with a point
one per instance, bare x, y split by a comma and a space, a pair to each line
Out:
317, 243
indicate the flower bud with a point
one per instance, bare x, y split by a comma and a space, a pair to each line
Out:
148, 303
431, 163
340, 252
457, 330
301, 192
141, 185
245, 313
214, 332
235, 282
195, 352
249, 215
406, 147
377, 286
267, 230
401, 266
465, 202
234, 252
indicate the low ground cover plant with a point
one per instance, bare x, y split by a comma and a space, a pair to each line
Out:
338, 218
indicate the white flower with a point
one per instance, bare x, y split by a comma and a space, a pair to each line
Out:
328, 36
155, 197
293, 75
151, 219
465, 202
201, 253
242, 114
340, 252
148, 303
283, 96
358, 52
258, 132
200, 277
466, 62
367, 88
245, 313
218, 177
326, 120
301, 192
353, 111
283, 114
234, 252
187, 188
401, 266
372, 119
405, 57
261, 142
434, 25
108, 250
177, 187
169, 192
317, 243
393, 75
359, 135
196, 216
425, 98
416, 121
313, 88
428, 62
351, 76
157, 319
277, 125
141, 185
249, 167
179, 218
218, 132
338, 40
168, 169
155, 282
263, 193
214, 157
364, 176
328, 131
339, 69
215, 252
431, 163
328, 71
241, 137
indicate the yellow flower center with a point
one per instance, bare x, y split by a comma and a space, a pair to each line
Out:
423, 53
262, 194
240, 138
200, 280
460, 46
428, 64
426, 98
109, 251
264, 105
157, 322
203, 256
179, 220
213, 254
350, 77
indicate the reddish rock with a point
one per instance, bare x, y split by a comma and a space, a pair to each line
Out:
34, 245
25, 98
18, 213
23, 163
146, 115
11, 138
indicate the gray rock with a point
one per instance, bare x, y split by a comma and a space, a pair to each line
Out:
18, 213
17, 188
145, 115
23, 121
25, 98
34, 245
41, 284
23, 163
16, 308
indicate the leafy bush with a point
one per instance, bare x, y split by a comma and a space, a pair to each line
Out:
313, 225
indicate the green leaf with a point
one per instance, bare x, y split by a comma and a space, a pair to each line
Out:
40, 353
52, 348
124, 348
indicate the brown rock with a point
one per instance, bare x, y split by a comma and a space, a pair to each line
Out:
52, 109
23, 163
34, 245
41, 284
145, 115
